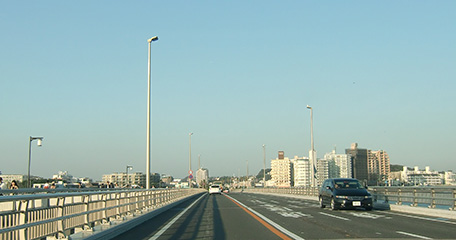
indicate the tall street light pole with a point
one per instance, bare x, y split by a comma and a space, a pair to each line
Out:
264, 165
148, 116
39, 143
312, 154
190, 160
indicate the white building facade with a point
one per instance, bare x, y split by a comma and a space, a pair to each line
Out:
302, 172
450, 178
123, 180
421, 177
340, 165
8, 178
202, 177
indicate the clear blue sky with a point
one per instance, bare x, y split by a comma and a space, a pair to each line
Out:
238, 74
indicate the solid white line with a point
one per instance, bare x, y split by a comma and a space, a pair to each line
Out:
277, 226
413, 235
334, 216
159, 233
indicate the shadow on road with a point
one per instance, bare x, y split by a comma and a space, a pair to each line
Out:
202, 222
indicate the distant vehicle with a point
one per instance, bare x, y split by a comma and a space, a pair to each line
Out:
215, 189
344, 193
226, 190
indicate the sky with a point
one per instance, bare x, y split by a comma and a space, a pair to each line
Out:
237, 74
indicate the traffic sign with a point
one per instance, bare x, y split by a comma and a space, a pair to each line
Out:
190, 172
190, 176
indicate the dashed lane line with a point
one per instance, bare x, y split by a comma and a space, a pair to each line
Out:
334, 216
413, 235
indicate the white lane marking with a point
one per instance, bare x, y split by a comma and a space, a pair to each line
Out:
422, 218
284, 211
413, 235
295, 214
159, 233
368, 215
277, 226
334, 216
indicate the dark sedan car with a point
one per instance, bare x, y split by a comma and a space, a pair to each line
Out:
344, 193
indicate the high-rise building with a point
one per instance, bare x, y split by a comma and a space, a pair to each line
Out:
281, 171
340, 165
202, 177
302, 171
322, 171
379, 166
359, 162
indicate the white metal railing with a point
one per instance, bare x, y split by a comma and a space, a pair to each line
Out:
58, 214
432, 197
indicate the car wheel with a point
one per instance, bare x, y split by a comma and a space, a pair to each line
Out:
333, 204
321, 203
369, 208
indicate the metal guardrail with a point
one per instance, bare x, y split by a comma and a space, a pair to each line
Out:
59, 214
432, 197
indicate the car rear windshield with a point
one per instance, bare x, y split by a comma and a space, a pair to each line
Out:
347, 184
214, 186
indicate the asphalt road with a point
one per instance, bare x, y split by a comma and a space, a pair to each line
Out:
255, 216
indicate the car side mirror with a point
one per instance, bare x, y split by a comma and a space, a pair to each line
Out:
328, 187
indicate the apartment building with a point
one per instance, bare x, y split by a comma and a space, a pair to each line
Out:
281, 171
302, 171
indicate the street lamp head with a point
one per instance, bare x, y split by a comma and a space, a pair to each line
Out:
155, 38
190, 134
39, 140
309, 107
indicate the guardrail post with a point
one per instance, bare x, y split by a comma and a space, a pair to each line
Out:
433, 198
386, 194
23, 218
399, 196
454, 199
86, 200
415, 199
118, 210
104, 200
60, 213
154, 199
137, 204
375, 195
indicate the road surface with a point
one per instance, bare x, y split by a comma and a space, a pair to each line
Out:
256, 216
